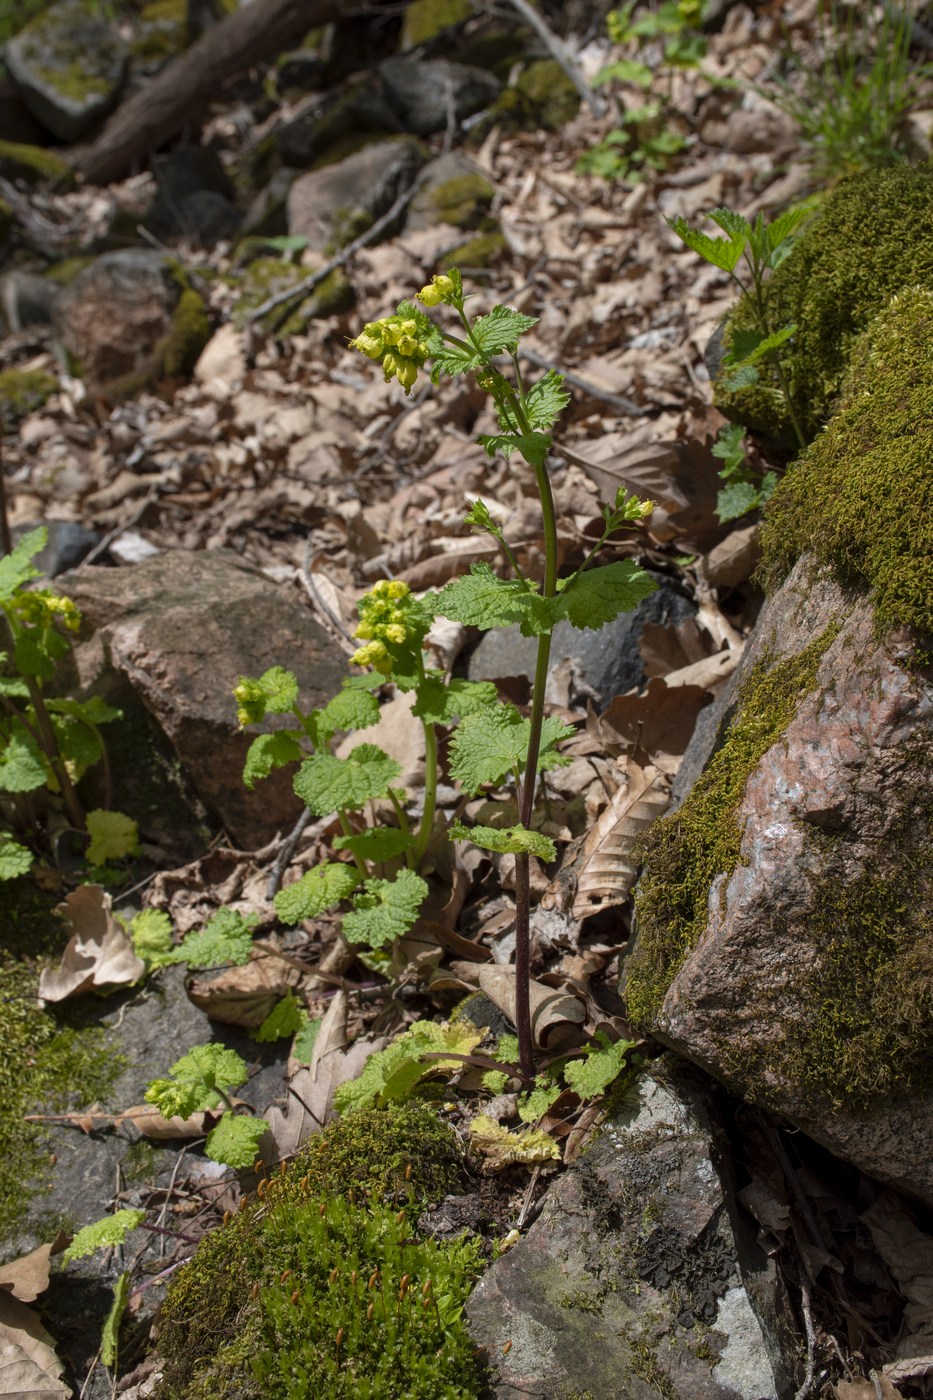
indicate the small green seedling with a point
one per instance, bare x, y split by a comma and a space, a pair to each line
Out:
200, 1083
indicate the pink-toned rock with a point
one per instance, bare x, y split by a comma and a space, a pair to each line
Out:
176, 632
809, 989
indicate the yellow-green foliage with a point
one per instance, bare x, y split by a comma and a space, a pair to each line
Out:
22, 391
163, 30
189, 333
425, 19
31, 163
463, 201
861, 496
684, 852
265, 277
258, 1311
872, 237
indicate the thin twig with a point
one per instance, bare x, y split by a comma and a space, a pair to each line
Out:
283, 859
558, 51
806, 1299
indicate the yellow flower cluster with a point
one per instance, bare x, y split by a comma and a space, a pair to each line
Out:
394, 341
382, 624
438, 289
250, 702
40, 607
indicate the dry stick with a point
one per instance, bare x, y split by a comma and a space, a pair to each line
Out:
283, 859
558, 51
807, 1310
301, 289
624, 407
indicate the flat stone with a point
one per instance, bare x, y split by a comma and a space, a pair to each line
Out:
632, 1282
68, 66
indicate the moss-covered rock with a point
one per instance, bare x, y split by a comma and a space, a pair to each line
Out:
872, 237
426, 19
22, 391
861, 496
265, 277
464, 201
542, 99
485, 250
307, 1282
32, 164
68, 65
162, 31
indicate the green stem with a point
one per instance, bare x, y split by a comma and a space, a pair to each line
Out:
775, 358
423, 839
347, 830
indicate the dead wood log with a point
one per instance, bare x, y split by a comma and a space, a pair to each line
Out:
178, 94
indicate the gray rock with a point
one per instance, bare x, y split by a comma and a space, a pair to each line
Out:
195, 198
27, 299
68, 544
168, 640
427, 93
453, 191
636, 1279
68, 66
333, 205
601, 664
363, 110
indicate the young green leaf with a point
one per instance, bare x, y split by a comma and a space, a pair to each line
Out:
16, 567
270, 751
536, 1102
749, 347
627, 70
36, 651
501, 1147
275, 692
442, 702
14, 858
303, 1044
376, 843
113, 836
151, 931
235, 1140
103, 1234
21, 765
500, 329
512, 840
286, 1018
328, 784
93, 710
389, 1075
597, 596
534, 447
349, 709
482, 599
493, 742
721, 252
385, 909
200, 1079
603, 1063
736, 500
316, 891
227, 937
110, 1334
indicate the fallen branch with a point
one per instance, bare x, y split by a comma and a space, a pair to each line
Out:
558, 51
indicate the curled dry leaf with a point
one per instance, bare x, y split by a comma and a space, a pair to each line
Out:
149, 1121
29, 1368
908, 1252
500, 1147
555, 1016
244, 996
99, 953
27, 1277
866, 1390
658, 724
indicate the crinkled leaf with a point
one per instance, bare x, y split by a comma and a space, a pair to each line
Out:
280, 690
376, 843
482, 599
536, 1102
349, 709
390, 1074
385, 910
197, 1078
492, 742
534, 447
736, 500
603, 1063
748, 347
235, 1140
546, 400
316, 891
270, 751
500, 328
227, 937
77, 744
441, 702
326, 783
721, 252
501, 1147
94, 710
103, 1234
495, 1080
286, 1018
303, 1044
599, 595
36, 651
508, 840
741, 378
16, 568
109, 1336
113, 836
452, 360
14, 858
151, 931
21, 765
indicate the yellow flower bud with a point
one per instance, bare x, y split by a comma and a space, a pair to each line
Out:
429, 295
364, 632
396, 588
407, 345
406, 373
391, 332
444, 285
396, 634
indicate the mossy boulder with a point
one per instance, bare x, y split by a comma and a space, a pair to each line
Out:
322, 1276
452, 192
485, 250
427, 19
68, 65
331, 206
542, 99
872, 237
265, 277
22, 391
32, 164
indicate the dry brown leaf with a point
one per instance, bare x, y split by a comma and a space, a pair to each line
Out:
865, 1390
27, 1277
734, 559
24, 1378
658, 724
908, 1252
665, 649
149, 1121
244, 996
20, 1327
710, 674
399, 734
555, 1016
99, 953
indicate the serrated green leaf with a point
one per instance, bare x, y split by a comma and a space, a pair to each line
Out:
270, 751
21, 765
495, 1080
376, 843
534, 447
91, 711
78, 744
452, 360
113, 836
14, 859
627, 70
510, 840
286, 1018
226, 938
235, 1140
536, 1102
598, 596
275, 692
501, 328
328, 784
385, 910
492, 742
303, 1044
389, 1075
12, 685
316, 891
109, 1336
16, 568
721, 252
482, 599
507, 1049
546, 401
742, 378
442, 702
603, 1063
736, 500
748, 347
501, 1147
103, 1234
349, 709
197, 1077
151, 932
36, 651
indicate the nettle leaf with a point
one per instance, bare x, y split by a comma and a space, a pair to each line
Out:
781, 229
316, 891
748, 347
14, 858
376, 843
226, 938
270, 751
197, 1078
151, 931
534, 447
91, 711
76, 742
21, 766
16, 568
452, 360
349, 709
286, 1018
113, 836
385, 910
508, 840
736, 500
389, 1075
328, 784
546, 401
103, 1234
12, 685
501, 1147
742, 378
501, 328
604, 1062
730, 448
443, 702
596, 597
235, 1140
536, 1102
482, 599
36, 651
280, 690
721, 252
492, 742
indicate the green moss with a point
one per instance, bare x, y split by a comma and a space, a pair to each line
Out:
188, 334
861, 497
872, 237
6, 220
684, 852
258, 1310
543, 98
463, 201
484, 250
22, 391
163, 30
60, 61
31, 163
426, 19
67, 270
